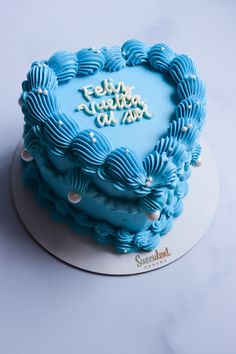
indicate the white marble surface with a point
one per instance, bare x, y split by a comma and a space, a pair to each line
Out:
188, 307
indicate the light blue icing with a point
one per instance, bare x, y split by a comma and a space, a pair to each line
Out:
89, 153
161, 101
64, 64
125, 167
40, 76
72, 154
114, 59
160, 57
196, 154
121, 238
135, 52
190, 108
191, 88
154, 201
189, 137
42, 107
182, 67
90, 61
59, 131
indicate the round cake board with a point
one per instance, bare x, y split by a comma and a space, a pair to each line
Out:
82, 252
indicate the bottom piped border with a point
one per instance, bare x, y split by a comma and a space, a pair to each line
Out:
122, 240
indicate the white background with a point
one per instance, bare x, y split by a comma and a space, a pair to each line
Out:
47, 307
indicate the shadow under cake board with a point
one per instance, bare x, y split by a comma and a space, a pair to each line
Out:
82, 252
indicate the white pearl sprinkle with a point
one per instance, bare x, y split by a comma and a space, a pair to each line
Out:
44, 65
60, 122
94, 140
97, 51
73, 197
162, 48
193, 77
198, 162
189, 106
91, 134
26, 156
154, 216
198, 103
45, 92
124, 53
40, 90
148, 183
166, 159
190, 125
184, 129
150, 179
170, 149
125, 250
127, 151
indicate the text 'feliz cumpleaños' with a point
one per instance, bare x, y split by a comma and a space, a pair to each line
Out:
121, 99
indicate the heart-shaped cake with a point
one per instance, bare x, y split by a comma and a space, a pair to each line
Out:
109, 139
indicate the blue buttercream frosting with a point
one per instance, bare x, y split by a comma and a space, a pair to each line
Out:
182, 67
41, 76
124, 166
114, 59
191, 87
90, 151
127, 199
90, 61
64, 64
192, 109
160, 57
134, 52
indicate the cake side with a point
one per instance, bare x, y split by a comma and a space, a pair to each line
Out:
149, 190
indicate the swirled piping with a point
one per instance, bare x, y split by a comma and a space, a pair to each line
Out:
123, 240
183, 129
134, 52
196, 154
159, 166
90, 149
191, 87
41, 107
59, 131
90, 61
146, 240
124, 166
182, 67
76, 181
178, 208
189, 108
41, 77
154, 201
181, 189
114, 59
174, 149
64, 64
160, 57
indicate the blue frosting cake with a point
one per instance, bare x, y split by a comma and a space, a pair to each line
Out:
109, 139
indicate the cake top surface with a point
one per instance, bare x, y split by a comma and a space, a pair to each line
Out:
132, 107
121, 112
